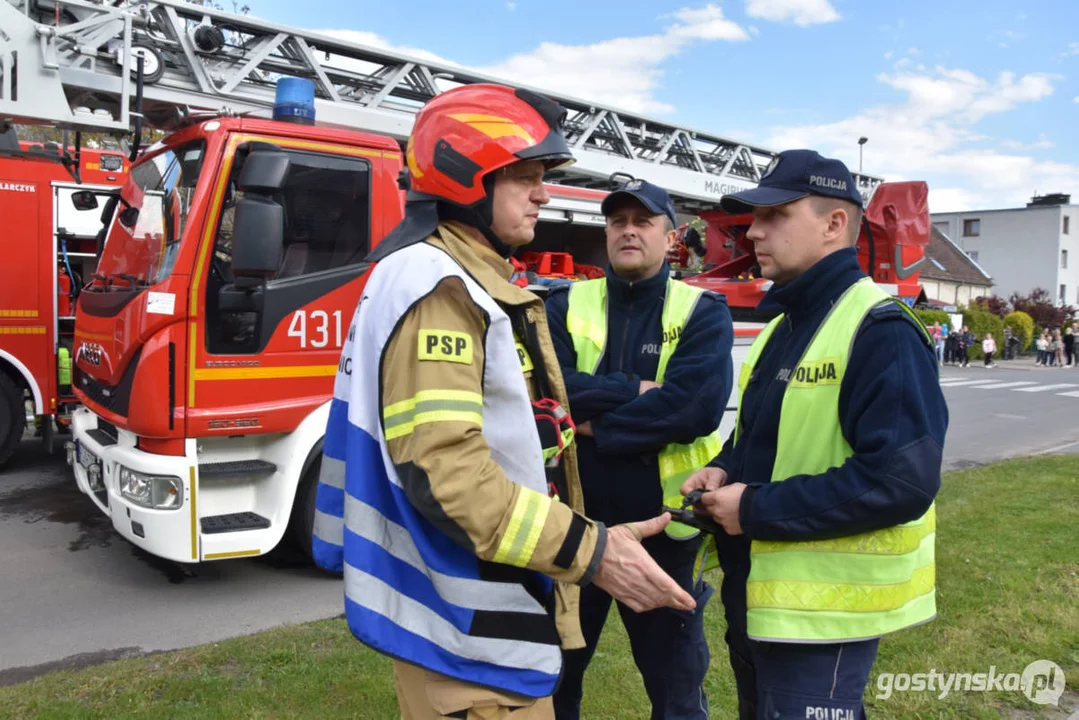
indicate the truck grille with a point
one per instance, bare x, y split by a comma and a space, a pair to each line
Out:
114, 398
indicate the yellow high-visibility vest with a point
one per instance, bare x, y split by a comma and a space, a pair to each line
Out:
586, 320
849, 588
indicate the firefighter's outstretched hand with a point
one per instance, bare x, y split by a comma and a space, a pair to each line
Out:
629, 574
706, 479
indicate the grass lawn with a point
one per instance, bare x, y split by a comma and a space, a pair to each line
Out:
1008, 594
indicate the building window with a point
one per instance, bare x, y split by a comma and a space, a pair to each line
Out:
1063, 293
1066, 224
1064, 259
972, 228
973, 255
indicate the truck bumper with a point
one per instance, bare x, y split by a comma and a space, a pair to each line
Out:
96, 459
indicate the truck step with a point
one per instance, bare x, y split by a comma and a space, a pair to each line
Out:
236, 467
233, 522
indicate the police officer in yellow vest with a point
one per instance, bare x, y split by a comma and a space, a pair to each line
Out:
829, 478
647, 365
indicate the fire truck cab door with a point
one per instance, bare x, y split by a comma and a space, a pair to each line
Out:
266, 367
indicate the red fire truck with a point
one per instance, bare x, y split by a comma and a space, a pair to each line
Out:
49, 249
207, 340
891, 246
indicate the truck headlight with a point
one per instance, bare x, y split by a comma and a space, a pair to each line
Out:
158, 492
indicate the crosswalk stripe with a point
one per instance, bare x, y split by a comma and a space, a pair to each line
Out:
1046, 388
966, 382
997, 386
1070, 394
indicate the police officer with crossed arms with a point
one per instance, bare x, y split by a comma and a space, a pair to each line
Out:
647, 363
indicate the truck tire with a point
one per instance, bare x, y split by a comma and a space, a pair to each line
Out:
12, 417
303, 510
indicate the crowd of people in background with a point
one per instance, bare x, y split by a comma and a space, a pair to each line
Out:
1055, 347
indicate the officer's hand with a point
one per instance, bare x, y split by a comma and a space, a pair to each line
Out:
647, 385
629, 574
707, 479
723, 505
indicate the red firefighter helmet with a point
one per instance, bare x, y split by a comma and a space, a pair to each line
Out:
464, 134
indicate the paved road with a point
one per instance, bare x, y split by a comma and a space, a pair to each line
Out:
1012, 409
74, 593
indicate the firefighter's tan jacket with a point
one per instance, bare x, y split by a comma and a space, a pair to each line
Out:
468, 486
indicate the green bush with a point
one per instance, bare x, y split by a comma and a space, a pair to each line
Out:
980, 322
931, 316
1022, 326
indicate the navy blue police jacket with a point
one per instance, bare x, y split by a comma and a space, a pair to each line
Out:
892, 413
619, 466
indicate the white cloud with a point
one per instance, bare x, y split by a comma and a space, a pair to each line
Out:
961, 91
951, 200
800, 12
706, 23
622, 72
932, 135
1042, 143
511, 6
888, 55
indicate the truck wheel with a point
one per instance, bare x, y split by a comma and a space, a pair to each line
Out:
303, 510
12, 417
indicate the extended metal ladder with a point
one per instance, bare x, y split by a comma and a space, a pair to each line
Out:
71, 63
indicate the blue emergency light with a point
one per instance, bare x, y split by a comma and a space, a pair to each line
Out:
295, 101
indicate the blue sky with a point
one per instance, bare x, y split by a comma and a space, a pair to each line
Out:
980, 99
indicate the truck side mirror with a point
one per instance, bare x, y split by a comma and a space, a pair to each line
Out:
129, 216
265, 170
257, 239
106, 220
84, 200
258, 227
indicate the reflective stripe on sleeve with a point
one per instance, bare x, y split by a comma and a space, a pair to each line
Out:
523, 531
430, 406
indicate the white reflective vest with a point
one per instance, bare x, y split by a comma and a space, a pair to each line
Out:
410, 591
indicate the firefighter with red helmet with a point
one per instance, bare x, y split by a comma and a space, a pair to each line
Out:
448, 492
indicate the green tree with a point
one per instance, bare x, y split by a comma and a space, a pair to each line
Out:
1022, 326
1041, 308
933, 316
981, 323
992, 304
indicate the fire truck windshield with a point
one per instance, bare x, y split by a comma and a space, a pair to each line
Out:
145, 235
